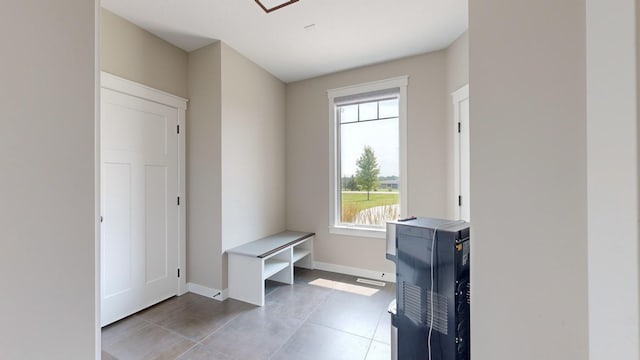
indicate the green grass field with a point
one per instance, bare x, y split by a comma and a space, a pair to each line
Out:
354, 202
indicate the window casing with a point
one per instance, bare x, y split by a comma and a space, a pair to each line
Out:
378, 104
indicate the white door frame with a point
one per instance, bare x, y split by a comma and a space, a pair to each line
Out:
457, 97
124, 86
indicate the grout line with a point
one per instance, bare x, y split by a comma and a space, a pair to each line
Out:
303, 321
186, 351
152, 324
343, 331
123, 335
196, 342
174, 332
234, 315
185, 337
368, 348
378, 323
334, 290
276, 351
202, 341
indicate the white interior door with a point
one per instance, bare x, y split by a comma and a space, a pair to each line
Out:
461, 152
139, 188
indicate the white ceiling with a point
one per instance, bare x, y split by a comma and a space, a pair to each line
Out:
347, 33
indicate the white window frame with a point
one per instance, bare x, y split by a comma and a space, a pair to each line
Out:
335, 226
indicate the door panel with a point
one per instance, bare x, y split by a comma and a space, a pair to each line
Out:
147, 134
140, 239
156, 240
117, 252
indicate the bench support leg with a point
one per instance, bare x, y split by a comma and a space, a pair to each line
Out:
245, 279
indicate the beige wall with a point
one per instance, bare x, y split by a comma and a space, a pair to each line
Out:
48, 213
612, 178
137, 55
253, 152
236, 159
457, 76
242, 192
204, 236
308, 154
528, 180
458, 63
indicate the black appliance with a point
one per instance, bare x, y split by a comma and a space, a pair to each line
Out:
432, 289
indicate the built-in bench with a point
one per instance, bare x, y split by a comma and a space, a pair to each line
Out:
272, 257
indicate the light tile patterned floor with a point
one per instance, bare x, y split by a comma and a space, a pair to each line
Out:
322, 316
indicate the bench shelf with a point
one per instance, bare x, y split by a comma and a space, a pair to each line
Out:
273, 266
273, 258
298, 254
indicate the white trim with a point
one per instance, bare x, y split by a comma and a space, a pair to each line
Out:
460, 94
208, 292
456, 97
358, 231
402, 132
96, 182
182, 225
116, 83
398, 82
348, 270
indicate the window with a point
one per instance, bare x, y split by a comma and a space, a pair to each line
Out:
367, 156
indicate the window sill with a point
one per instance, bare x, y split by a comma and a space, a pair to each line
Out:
358, 231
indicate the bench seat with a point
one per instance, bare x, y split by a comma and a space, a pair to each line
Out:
272, 257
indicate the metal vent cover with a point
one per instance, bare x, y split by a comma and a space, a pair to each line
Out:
417, 307
413, 303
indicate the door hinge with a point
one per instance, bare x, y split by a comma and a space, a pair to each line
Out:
178, 272
459, 200
178, 200
459, 128
178, 129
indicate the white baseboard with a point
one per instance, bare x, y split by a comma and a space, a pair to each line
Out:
348, 270
222, 295
219, 295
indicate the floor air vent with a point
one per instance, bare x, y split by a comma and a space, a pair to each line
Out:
371, 282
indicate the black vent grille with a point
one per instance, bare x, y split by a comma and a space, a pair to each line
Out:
413, 303
440, 311
469, 293
417, 308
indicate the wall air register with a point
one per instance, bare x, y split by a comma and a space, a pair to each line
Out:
433, 288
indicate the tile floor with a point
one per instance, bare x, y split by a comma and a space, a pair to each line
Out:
322, 316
